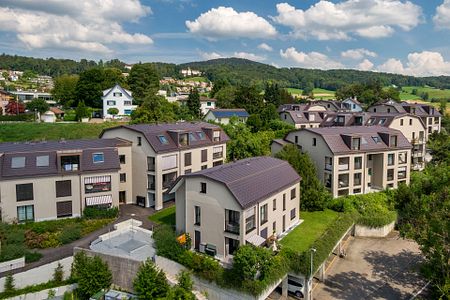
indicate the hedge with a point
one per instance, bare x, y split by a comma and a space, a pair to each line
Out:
35, 288
100, 213
17, 118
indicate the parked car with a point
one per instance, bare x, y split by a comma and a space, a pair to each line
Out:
295, 286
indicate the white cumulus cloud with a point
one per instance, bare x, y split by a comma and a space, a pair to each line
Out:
357, 54
77, 25
210, 55
365, 65
426, 63
442, 17
313, 60
225, 22
326, 20
265, 47
250, 56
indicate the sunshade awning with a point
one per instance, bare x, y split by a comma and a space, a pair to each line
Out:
256, 240
99, 200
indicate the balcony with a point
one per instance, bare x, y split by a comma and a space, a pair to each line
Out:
232, 228
344, 163
343, 167
168, 179
328, 167
217, 155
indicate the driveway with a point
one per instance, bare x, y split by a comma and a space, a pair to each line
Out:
374, 268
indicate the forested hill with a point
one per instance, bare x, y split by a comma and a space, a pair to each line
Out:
233, 70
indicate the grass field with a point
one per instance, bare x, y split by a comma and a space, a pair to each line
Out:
313, 226
17, 132
165, 216
432, 93
198, 79
318, 93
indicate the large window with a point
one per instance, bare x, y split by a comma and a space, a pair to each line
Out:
24, 192
25, 213
63, 188
150, 163
292, 213
97, 184
168, 179
358, 163
70, 163
356, 143
402, 157
391, 159
263, 214
357, 179
232, 222
293, 193
390, 174
64, 209
217, 152
187, 159
197, 217
401, 173
204, 155
250, 220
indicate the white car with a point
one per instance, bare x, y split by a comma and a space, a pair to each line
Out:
295, 286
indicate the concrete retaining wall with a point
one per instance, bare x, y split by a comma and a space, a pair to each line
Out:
59, 291
40, 274
365, 231
12, 264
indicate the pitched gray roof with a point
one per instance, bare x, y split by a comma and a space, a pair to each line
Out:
334, 138
421, 110
32, 150
152, 132
253, 179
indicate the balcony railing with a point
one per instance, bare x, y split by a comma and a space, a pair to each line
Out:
232, 228
343, 167
217, 155
328, 167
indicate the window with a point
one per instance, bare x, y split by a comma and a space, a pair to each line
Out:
357, 179
201, 135
327, 179
204, 155
328, 163
401, 173
123, 177
374, 110
98, 158
24, 192
370, 157
391, 159
250, 220
393, 141
122, 159
168, 179
390, 174
192, 137
117, 94
42, 161
151, 182
25, 213
183, 139
263, 214
127, 103
388, 110
376, 139
187, 171
284, 204
110, 103
169, 162
63, 188
402, 158
410, 121
127, 111
97, 184
274, 204
204, 167
358, 163
232, 221
274, 226
208, 103
296, 139
356, 191
217, 163
292, 213
371, 120
197, 215
356, 143
401, 122
187, 159
314, 142
216, 135
64, 209
217, 152
163, 139
293, 193
139, 141
203, 187
382, 121
150, 163
18, 162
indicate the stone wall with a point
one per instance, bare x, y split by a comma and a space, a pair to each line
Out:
59, 292
12, 264
365, 231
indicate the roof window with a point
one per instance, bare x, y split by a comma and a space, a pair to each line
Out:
98, 157
201, 135
18, 162
42, 161
163, 139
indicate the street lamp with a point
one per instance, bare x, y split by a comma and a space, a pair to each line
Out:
313, 250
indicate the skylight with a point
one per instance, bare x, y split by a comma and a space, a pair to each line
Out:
382, 121
163, 139
201, 135
376, 139
98, 157
192, 137
42, 161
18, 162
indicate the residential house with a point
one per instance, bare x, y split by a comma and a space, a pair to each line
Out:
303, 115
223, 116
27, 96
351, 104
206, 104
120, 98
430, 116
238, 203
356, 159
162, 152
5, 97
58, 179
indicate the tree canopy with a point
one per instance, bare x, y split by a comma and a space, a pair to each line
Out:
150, 283
143, 80
64, 90
39, 105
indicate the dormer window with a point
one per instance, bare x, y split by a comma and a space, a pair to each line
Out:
340, 119
42, 161
201, 135
371, 120
70, 163
382, 121
183, 139
98, 158
18, 162
117, 94
163, 139
356, 143
393, 141
216, 136
376, 139
192, 137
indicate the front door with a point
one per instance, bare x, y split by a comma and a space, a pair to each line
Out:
140, 200
122, 197
197, 239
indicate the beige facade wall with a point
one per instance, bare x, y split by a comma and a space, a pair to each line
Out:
126, 168
213, 204
114, 192
140, 173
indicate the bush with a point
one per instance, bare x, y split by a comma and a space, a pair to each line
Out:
70, 234
33, 289
12, 251
9, 284
100, 213
32, 257
58, 273
17, 118
150, 282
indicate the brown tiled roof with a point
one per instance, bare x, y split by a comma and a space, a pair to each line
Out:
302, 117
397, 106
253, 179
56, 110
333, 137
31, 150
422, 110
151, 133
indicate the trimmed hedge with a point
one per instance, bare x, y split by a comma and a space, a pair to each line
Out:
100, 213
35, 288
17, 118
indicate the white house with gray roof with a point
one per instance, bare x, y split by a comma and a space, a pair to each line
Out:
243, 202
120, 98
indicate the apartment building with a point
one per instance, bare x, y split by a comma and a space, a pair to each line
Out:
238, 203
356, 159
410, 125
58, 179
303, 115
162, 152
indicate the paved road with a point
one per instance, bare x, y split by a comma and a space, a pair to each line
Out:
374, 268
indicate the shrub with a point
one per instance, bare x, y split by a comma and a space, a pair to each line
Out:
166, 243
69, 234
150, 283
58, 273
17, 118
9, 284
11, 251
100, 213
32, 256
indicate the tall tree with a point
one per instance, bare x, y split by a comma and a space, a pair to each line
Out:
193, 103
39, 105
153, 109
150, 283
90, 86
314, 195
250, 98
65, 89
225, 97
143, 80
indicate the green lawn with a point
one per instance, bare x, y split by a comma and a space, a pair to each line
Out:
432, 92
313, 226
318, 93
294, 91
165, 216
16, 132
198, 79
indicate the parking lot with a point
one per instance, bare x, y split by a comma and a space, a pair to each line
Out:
374, 268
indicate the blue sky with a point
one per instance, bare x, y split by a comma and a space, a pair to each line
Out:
398, 36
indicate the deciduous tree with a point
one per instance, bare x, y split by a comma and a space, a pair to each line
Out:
39, 105
65, 90
143, 80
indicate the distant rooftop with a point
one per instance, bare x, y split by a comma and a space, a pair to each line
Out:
228, 113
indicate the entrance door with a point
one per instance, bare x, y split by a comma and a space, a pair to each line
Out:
197, 239
140, 200
122, 197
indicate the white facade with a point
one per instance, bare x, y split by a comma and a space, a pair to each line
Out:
120, 98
